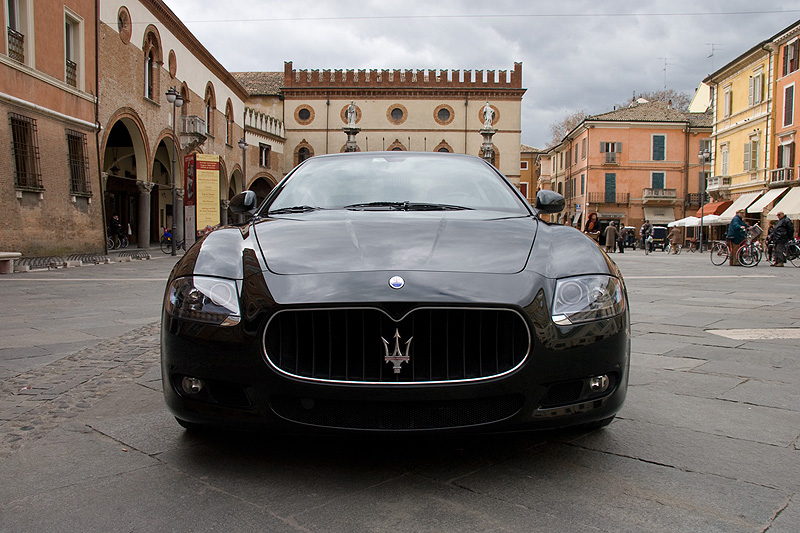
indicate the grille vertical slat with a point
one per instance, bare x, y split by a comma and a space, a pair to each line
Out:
446, 344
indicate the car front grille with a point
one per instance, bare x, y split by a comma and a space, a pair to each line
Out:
388, 416
426, 345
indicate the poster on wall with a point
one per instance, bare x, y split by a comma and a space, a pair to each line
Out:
190, 181
207, 180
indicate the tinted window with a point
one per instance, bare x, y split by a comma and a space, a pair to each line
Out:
335, 182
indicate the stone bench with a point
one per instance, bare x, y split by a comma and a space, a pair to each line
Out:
7, 261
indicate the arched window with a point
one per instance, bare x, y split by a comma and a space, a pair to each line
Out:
210, 105
152, 62
229, 123
303, 154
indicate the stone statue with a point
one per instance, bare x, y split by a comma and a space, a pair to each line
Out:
488, 116
351, 115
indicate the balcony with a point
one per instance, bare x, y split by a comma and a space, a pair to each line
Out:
193, 132
659, 196
693, 198
718, 184
782, 177
16, 45
601, 197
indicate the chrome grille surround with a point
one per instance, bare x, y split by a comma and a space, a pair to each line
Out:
350, 345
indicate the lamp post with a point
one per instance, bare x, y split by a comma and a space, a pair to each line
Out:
704, 157
174, 98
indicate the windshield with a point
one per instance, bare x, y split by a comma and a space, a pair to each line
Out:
396, 182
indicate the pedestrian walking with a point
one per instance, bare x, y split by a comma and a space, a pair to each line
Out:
781, 234
675, 238
737, 232
611, 237
622, 236
644, 232
592, 228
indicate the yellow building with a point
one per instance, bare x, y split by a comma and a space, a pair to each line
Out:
741, 102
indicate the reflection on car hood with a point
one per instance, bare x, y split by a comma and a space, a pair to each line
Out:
356, 241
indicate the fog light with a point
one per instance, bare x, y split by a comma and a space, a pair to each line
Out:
192, 385
599, 383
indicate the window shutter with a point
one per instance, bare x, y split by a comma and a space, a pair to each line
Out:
791, 155
754, 155
751, 91
747, 156
602, 147
788, 106
780, 156
618, 147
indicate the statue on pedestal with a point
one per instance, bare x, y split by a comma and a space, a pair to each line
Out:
488, 116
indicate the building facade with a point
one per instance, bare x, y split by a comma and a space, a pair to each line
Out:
429, 111
634, 163
50, 195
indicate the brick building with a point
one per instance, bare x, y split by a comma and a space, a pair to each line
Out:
50, 200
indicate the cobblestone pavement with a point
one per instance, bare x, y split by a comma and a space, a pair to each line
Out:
707, 440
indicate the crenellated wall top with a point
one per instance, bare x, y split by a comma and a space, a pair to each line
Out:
396, 78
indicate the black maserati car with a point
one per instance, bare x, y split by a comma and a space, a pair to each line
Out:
395, 292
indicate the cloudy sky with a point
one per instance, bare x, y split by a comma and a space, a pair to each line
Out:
577, 55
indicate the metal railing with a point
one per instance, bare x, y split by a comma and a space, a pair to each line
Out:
611, 158
16, 45
72, 73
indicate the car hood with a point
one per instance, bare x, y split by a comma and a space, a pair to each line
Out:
357, 241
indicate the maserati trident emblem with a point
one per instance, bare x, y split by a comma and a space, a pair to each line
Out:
396, 282
397, 358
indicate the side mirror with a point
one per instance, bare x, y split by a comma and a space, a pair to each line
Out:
244, 202
549, 202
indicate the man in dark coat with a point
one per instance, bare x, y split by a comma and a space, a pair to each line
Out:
780, 236
737, 232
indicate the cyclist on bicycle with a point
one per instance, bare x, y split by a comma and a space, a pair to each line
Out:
737, 231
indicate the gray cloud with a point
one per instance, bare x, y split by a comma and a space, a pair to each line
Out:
570, 61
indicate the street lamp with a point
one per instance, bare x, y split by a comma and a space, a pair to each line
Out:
704, 156
174, 98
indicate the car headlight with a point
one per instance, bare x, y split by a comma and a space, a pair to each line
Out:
587, 298
203, 299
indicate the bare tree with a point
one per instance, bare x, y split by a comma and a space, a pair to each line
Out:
680, 101
560, 129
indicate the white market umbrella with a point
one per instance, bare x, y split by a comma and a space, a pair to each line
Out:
685, 222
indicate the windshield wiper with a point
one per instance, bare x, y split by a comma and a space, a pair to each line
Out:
377, 205
406, 206
293, 209
415, 206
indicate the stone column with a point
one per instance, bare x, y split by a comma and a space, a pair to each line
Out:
143, 228
178, 212
223, 211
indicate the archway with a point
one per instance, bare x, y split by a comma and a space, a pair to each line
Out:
262, 187
125, 165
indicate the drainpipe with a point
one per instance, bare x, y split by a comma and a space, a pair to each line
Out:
327, 122
466, 119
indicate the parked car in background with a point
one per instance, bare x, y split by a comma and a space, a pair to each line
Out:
395, 292
659, 237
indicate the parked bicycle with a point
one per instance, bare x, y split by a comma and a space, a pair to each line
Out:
114, 242
719, 252
792, 252
166, 242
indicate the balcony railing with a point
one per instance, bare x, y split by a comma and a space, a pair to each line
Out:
72, 73
16, 45
611, 158
719, 182
601, 197
192, 124
659, 194
781, 174
693, 198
